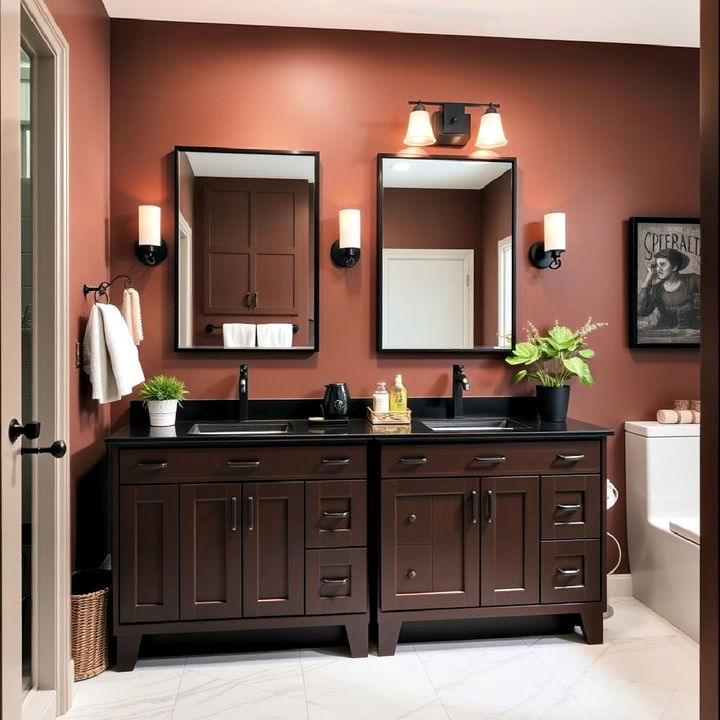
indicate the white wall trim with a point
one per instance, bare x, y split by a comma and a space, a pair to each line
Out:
619, 586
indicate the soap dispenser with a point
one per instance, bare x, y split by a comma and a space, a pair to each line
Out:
398, 396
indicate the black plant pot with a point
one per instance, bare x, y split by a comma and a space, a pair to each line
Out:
552, 402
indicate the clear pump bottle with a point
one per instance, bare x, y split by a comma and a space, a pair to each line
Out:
381, 398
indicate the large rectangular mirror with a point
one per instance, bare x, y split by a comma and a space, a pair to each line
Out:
446, 254
247, 249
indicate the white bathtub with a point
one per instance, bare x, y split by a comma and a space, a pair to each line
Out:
662, 476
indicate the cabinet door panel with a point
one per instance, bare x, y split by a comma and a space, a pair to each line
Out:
430, 544
336, 581
148, 553
273, 549
335, 513
571, 506
571, 571
510, 549
210, 551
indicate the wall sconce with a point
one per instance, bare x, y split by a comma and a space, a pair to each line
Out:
547, 253
451, 125
151, 249
345, 251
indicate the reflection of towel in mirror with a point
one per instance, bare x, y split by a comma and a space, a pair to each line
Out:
238, 335
272, 335
131, 313
110, 357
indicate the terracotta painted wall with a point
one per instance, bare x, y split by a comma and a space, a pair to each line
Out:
596, 130
86, 27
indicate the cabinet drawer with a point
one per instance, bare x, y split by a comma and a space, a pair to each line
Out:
569, 571
336, 581
571, 506
227, 464
335, 513
479, 459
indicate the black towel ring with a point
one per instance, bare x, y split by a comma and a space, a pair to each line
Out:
102, 288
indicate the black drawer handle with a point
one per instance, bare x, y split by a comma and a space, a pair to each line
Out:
413, 460
243, 463
251, 513
575, 571
490, 458
411, 574
491, 506
338, 461
162, 465
233, 510
475, 504
570, 458
412, 518
344, 514
335, 581
568, 508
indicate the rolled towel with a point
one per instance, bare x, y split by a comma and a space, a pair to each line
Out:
695, 416
695, 405
674, 416
681, 404
272, 335
131, 313
238, 335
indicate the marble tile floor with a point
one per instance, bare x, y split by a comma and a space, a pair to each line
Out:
645, 670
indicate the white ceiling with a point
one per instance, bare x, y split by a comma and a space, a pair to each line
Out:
252, 165
436, 173
645, 22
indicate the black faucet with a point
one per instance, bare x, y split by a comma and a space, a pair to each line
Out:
460, 383
243, 405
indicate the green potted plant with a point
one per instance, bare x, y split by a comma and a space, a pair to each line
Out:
554, 359
162, 394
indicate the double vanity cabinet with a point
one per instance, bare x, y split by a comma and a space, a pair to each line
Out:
251, 533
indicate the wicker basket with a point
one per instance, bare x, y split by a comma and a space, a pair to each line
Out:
89, 622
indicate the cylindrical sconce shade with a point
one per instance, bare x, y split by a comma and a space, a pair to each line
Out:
491, 133
554, 238
419, 129
349, 228
149, 225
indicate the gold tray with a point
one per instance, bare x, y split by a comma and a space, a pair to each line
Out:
395, 417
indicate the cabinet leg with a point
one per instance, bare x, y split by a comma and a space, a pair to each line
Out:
357, 635
388, 634
127, 652
592, 625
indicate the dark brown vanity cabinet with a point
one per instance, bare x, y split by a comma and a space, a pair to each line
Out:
232, 539
481, 530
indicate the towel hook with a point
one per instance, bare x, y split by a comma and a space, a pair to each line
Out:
102, 288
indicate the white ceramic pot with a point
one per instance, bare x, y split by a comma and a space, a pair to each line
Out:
162, 412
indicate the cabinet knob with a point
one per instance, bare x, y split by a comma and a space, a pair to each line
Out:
412, 574
412, 518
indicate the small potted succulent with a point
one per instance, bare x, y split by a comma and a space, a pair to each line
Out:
162, 394
554, 359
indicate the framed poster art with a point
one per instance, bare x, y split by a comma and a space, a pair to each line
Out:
664, 282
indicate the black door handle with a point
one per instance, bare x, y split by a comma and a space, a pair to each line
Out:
31, 430
57, 449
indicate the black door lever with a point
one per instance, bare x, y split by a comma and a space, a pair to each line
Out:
31, 430
57, 449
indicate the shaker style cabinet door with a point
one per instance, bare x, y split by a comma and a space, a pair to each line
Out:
430, 535
210, 551
148, 553
273, 549
510, 562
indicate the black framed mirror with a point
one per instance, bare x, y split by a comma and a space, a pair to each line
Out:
446, 254
247, 237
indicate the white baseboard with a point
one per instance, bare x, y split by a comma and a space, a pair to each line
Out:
619, 586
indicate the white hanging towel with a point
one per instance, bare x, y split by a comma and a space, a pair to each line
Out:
238, 335
131, 313
110, 357
272, 335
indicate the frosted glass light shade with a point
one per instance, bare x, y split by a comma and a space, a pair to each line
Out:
349, 228
554, 238
419, 129
490, 134
149, 225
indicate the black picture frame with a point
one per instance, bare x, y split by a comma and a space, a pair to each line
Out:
670, 248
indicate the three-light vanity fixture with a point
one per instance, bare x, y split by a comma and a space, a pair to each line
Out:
151, 249
451, 125
345, 251
547, 253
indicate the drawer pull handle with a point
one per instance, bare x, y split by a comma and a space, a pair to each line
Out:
336, 461
335, 581
251, 512
413, 460
344, 514
474, 495
570, 458
162, 465
412, 574
491, 506
575, 571
233, 510
412, 518
568, 508
243, 463
490, 458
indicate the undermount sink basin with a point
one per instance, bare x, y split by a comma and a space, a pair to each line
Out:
473, 425
248, 427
